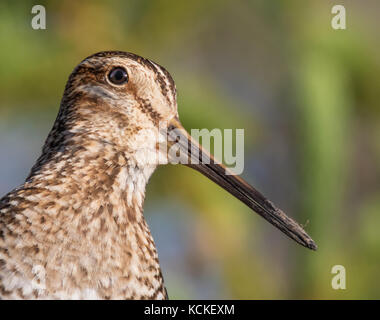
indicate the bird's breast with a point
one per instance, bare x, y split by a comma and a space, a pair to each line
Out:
93, 243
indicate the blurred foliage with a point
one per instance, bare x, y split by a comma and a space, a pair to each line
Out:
306, 95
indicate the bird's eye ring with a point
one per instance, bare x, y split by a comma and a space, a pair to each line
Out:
118, 76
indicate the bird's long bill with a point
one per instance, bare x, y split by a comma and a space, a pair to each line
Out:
201, 160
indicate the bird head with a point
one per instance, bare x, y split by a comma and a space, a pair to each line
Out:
121, 99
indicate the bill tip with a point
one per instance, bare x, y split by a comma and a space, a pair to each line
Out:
312, 245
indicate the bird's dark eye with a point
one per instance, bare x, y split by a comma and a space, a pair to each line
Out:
118, 76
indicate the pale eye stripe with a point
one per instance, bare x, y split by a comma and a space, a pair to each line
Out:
98, 91
168, 84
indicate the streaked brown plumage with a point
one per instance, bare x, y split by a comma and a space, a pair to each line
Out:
75, 229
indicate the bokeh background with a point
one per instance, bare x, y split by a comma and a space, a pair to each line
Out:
306, 95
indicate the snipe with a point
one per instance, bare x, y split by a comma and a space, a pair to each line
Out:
75, 229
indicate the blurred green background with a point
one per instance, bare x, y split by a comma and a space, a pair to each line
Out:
306, 95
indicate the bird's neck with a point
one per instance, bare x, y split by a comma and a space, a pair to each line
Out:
94, 175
